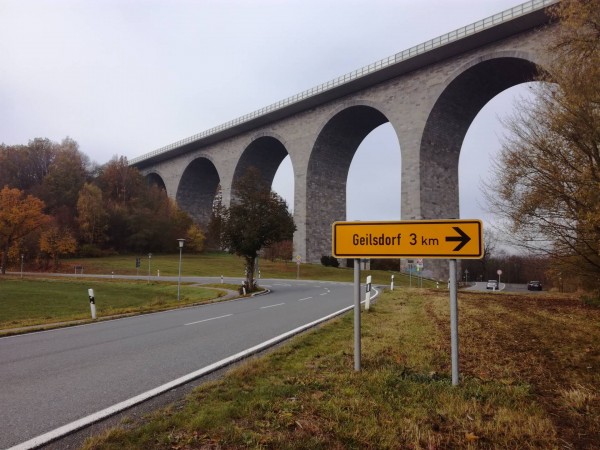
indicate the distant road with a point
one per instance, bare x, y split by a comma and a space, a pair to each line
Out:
504, 287
50, 379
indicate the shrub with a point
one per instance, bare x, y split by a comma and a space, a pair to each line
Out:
329, 261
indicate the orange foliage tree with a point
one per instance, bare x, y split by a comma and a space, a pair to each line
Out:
56, 242
19, 216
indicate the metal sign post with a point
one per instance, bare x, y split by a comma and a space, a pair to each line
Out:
454, 321
357, 315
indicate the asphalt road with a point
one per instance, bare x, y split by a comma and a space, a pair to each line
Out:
50, 379
504, 287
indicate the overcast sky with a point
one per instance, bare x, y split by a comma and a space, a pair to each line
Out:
129, 76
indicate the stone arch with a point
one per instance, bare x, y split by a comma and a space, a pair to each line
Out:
154, 179
265, 153
327, 172
197, 189
449, 120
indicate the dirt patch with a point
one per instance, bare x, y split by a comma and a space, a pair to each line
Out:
547, 341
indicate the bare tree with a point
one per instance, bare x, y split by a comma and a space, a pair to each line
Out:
547, 175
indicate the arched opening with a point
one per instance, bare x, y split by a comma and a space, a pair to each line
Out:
327, 174
197, 190
265, 154
481, 144
447, 126
283, 182
373, 187
154, 179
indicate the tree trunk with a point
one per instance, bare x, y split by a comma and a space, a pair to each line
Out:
250, 273
3, 261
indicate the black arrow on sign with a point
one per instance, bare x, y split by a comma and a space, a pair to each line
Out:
463, 239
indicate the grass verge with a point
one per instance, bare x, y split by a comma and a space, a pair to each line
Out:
525, 384
29, 302
217, 264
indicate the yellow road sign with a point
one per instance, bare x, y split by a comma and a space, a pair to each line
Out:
460, 239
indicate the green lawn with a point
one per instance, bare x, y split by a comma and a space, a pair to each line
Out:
32, 301
217, 264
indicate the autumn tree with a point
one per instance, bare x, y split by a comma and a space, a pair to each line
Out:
195, 239
547, 175
65, 177
141, 217
55, 242
116, 210
91, 215
119, 182
24, 166
20, 215
280, 250
215, 225
156, 222
257, 218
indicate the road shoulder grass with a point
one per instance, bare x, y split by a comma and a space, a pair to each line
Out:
45, 302
305, 395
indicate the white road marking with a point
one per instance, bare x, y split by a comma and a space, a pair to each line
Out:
302, 299
206, 320
272, 306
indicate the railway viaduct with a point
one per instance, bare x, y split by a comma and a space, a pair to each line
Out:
429, 93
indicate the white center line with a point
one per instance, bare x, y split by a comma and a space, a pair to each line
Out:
324, 293
206, 320
302, 299
271, 306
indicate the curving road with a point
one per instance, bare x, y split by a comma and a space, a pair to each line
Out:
51, 379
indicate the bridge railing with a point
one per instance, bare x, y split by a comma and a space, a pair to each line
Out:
460, 33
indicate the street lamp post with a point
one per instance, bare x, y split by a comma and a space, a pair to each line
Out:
149, 258
181, 241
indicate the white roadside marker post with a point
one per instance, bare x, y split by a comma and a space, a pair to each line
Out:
368, 294
92, 303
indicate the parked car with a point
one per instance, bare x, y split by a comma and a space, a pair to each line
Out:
534, 286
492, 284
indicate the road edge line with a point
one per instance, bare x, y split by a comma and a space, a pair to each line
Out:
76, 425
